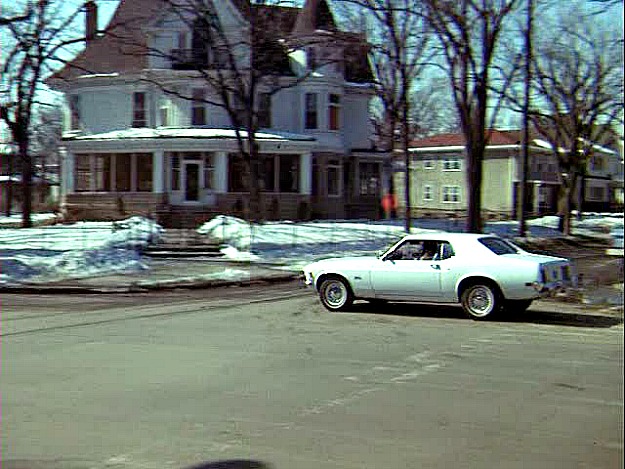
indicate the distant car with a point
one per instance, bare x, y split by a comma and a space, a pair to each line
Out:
484, 273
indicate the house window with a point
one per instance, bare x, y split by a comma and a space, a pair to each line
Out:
198, 107
144, 172
103, 174
123, 165
597, 163
289, 173
200, 38
237, 174
369, 178
597, 193
334, 178
452, 163
264, 111
311, 111
334, 111
82, 173
175, 172
74, 109
164, 111
209, 171
451, 194
427, 193
268, 177
428, 164
139, 110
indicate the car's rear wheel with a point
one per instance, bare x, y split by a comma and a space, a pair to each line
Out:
517, 306
480, 301
335, 294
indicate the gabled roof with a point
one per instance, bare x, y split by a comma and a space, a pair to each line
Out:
123, 48
495, 137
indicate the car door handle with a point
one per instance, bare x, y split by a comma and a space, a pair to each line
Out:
435, 266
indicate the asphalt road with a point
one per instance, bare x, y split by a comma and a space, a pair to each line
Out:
184, 379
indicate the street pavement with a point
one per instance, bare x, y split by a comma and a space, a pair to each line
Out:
261, 373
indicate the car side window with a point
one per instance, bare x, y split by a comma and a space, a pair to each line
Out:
426, 250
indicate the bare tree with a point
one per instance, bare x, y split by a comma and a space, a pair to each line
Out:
31, 48
577, 91
243, 67
470, 33
400, 52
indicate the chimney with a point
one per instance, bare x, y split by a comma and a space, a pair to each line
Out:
91, 21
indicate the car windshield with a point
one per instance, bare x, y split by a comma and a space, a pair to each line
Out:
499, 246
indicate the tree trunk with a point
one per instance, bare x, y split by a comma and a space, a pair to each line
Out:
474, 184
9, 199
564, 209
581, 195
408, 175
255, 203
27, 179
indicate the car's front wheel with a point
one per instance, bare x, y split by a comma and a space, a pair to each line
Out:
335, 294
480, 301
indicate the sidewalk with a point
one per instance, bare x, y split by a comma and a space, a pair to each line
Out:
165, 274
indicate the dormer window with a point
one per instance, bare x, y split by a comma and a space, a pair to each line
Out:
334, 111
74, 110
164, 111
139, 114
310, 118
198, 107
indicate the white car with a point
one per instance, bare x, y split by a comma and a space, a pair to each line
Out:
484, 273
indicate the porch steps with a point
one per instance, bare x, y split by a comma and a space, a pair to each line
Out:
183, 242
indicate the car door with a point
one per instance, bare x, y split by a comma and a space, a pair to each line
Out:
405, 277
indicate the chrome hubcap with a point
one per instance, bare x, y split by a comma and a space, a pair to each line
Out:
335, 294
481, 301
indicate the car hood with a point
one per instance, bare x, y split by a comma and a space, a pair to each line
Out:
362, 262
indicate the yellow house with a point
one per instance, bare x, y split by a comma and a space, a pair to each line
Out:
439, 185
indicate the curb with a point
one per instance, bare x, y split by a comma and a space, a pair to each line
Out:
150, 286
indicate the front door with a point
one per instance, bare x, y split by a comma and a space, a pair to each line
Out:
191, 182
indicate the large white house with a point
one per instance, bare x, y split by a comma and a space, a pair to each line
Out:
134, 146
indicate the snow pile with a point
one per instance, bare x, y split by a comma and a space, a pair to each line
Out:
295, 244
70, 251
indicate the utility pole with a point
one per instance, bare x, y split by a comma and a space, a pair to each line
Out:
523, 196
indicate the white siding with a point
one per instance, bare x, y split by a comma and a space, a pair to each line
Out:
105, 110
356, 124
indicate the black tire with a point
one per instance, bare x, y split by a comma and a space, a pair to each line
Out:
335, 294
517, 306
481, 301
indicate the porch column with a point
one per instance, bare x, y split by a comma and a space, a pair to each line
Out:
221, 172
537, 198
158, 171
305, 173
67, 172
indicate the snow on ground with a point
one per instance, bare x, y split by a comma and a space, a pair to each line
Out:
86, 249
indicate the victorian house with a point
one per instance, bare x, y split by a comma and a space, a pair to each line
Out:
148, 134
